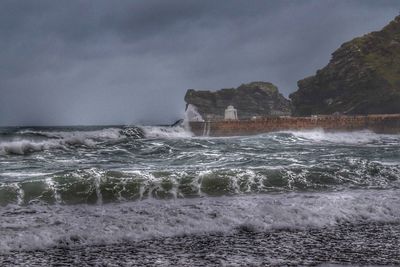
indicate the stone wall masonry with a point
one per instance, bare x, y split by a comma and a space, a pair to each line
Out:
388, 124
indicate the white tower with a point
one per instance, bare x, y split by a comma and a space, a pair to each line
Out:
231, 113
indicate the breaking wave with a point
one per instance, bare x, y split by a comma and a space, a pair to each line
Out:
83, 186
21, 147
356, 137
28, 141
79, 225
166, 132
96, 186
104, 134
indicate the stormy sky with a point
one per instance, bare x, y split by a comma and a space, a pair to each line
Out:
122, 62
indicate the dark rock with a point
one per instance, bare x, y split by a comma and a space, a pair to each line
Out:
363, 77
177, 123
252, 99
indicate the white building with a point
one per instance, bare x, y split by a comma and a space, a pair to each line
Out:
231, 113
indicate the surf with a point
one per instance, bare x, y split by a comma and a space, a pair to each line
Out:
82, 225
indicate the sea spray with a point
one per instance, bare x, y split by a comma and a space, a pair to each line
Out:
166, 132
191, 114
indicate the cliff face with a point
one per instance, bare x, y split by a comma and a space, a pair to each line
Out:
252, 99
363, 77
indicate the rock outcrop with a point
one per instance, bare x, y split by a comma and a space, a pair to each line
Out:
363, 77
252, 99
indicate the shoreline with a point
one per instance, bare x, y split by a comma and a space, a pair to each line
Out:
246, 247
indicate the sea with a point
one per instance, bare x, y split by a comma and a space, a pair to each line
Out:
159, 196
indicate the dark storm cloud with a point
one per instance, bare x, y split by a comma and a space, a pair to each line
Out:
110, 62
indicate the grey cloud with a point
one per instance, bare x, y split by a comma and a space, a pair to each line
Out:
112, 62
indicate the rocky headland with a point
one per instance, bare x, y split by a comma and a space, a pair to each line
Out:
362, 77
251, 99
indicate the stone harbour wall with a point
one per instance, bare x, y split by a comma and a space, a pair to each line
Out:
388, 124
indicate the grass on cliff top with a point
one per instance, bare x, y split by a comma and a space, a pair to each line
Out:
387, 66
381, 50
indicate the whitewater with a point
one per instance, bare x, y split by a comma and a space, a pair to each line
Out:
157, 195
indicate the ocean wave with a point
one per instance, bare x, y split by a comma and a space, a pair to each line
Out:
356, 137
104, 134
24, 143
21, 147
28, 141
113, 133
96, 186
41, 226
166, 132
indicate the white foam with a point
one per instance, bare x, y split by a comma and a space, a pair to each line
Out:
166, 132
191, 114
25, 174
356, 137
21, 146
104, 134
37, 226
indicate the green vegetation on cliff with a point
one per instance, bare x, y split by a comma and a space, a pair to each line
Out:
363, 77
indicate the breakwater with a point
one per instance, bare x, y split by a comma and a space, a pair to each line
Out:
382, 123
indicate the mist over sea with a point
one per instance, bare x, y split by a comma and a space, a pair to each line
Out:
106, 195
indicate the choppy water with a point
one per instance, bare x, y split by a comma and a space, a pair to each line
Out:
119, 190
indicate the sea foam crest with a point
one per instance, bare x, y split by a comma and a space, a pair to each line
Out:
21, 145
114, 223
356, 137
166, 132
104, 134
28, 141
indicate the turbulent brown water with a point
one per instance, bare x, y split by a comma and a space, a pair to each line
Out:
159, 196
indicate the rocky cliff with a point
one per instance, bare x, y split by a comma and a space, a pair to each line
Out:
363, 77
252, 99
